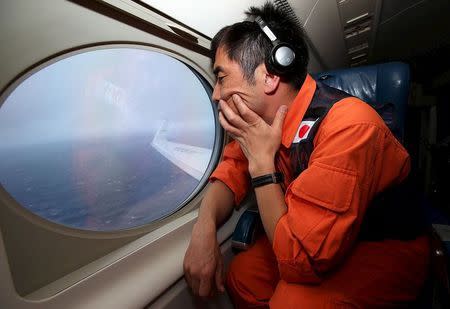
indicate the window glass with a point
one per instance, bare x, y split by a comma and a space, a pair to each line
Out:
106, 139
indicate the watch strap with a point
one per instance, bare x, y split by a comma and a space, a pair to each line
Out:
259, 181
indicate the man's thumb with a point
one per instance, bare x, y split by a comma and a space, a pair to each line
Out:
279, 117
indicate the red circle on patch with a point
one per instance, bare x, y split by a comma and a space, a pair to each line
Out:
303, 130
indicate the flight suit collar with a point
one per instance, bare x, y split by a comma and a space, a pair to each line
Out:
297, 110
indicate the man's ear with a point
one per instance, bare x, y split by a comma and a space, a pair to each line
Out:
271, 81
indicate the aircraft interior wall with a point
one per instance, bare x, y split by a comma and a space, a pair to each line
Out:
45, 264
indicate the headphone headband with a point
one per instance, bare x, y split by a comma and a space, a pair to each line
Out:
262, 24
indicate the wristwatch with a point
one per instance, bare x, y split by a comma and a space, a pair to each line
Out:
259, 181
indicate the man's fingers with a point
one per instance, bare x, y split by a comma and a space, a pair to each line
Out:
227, 126
205, 287
247, 114
220, 277
234, 119
195, 285
279, 117
188, 278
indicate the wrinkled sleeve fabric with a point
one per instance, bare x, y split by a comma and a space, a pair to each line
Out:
326, 203
233, 171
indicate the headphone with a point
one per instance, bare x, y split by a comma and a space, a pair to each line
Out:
281, 59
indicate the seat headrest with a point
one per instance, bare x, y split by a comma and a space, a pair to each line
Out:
377, 85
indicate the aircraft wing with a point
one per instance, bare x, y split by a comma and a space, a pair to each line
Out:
191, 159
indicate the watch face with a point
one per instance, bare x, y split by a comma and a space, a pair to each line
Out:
278, 177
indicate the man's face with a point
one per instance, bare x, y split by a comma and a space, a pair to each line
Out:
230, 80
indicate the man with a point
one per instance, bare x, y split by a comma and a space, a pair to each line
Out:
312, 254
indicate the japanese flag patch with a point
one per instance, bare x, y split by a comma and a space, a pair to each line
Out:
303, 130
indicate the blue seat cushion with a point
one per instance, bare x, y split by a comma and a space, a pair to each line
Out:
383, 86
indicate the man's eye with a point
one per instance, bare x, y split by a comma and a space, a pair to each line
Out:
220, 78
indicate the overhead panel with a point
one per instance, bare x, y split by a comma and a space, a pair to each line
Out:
358, 21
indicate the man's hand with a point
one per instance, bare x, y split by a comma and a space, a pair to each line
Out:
259, 141
203, 262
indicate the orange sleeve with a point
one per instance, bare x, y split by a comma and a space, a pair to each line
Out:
233, 171
326, 203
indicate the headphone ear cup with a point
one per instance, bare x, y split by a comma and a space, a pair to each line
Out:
282, 58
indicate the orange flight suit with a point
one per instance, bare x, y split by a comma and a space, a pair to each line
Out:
315, 260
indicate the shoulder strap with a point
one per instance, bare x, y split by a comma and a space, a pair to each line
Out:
303, 144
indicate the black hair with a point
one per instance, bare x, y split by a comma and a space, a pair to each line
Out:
245, 43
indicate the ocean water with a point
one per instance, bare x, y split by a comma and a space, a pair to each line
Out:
99, 184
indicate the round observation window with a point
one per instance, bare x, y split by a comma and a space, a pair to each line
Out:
107, 139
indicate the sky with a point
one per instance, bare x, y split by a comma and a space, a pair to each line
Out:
103, 93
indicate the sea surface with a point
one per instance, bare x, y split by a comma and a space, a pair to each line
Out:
101, 184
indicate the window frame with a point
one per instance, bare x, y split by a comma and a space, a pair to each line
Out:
190, 202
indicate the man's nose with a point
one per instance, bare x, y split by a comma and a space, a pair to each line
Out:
216, 93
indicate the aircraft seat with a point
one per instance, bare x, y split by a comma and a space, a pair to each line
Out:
384, 86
